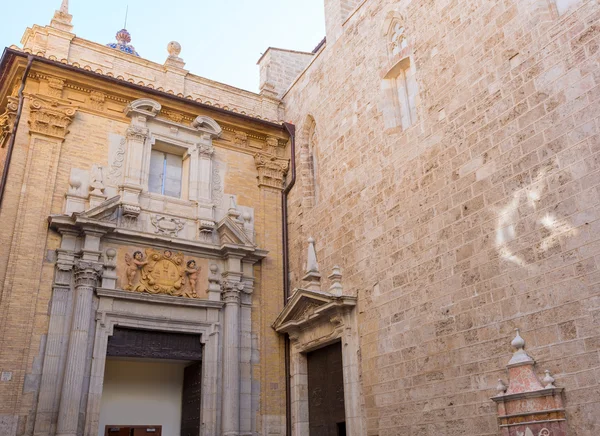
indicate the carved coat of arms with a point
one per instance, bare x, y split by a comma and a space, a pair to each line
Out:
161, 272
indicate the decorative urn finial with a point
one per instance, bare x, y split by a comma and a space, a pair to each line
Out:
123, 38
520, 356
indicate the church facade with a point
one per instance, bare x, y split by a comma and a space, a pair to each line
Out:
398, 235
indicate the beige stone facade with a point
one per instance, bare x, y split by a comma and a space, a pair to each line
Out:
446, 160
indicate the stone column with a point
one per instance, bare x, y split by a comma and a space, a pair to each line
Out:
86, 277
49, 395
232, 287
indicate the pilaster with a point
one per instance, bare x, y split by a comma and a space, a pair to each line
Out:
232, 286
87, 272
30, 190
52, 372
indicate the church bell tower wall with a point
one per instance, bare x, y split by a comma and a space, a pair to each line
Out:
475, 218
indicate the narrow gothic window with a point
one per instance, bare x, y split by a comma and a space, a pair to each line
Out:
399, 85
406, 93
313, 162
166, 171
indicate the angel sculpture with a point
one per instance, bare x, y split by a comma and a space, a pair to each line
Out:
133, 265
192, 272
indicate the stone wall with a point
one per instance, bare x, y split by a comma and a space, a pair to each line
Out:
479, 218
279, 68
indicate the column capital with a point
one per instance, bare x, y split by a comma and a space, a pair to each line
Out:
231, 291
271, 170
87, 273
137, 133
51, 117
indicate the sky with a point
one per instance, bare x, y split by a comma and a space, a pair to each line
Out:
221, 40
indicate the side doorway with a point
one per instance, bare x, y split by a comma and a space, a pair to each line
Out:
326, 408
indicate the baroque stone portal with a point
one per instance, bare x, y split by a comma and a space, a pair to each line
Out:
161, 272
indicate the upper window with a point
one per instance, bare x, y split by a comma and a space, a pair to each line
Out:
399, 86
406, 93
398, 40
166, 171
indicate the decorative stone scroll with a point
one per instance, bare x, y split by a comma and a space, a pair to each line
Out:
161, 272
51, 117
528, 406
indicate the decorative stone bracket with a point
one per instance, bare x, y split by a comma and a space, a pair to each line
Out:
528, 406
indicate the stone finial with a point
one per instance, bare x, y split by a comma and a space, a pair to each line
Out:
520, 356
109, 275
312, 268
233, 211
62, 19
174, 50
548, 381
336, 281
74, 185
501, 387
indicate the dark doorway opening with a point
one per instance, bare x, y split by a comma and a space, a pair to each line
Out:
326, 409
145, 369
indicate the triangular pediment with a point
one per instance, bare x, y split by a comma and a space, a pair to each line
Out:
303, 305
231, 233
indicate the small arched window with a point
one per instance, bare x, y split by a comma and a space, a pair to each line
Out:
399, 84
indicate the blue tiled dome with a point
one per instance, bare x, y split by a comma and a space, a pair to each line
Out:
122, 44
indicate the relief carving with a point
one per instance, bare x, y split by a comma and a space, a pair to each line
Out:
97, 100
161, 272
271, 170
50, 118
217, 186
55, 87
167, 226
116, 168
7, 119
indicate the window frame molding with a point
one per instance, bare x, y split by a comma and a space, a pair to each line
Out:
195, 140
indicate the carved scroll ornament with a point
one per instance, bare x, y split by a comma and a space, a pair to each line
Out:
161, 272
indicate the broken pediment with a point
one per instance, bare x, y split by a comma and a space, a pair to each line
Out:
231, 233
306, 305
105, 211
